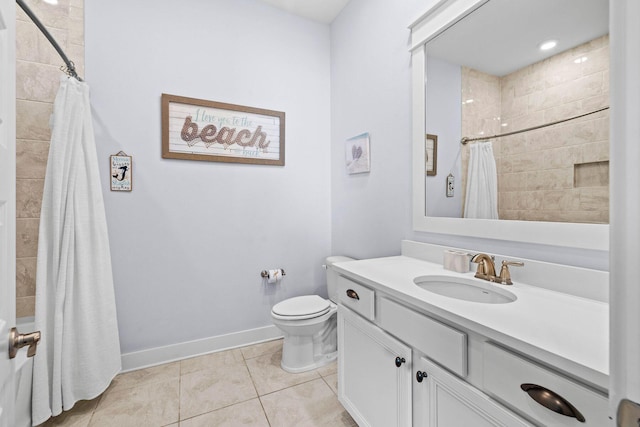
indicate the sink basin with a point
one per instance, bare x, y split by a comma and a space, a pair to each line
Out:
465, 289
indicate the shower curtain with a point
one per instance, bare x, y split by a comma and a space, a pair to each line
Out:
482, 183
75, 303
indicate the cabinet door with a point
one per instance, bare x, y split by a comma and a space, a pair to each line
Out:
371, 387
443, 400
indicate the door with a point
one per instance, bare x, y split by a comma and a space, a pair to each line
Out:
7, 207
625, 210
443, 400
374, 373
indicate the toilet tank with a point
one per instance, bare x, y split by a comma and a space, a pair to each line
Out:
332, 276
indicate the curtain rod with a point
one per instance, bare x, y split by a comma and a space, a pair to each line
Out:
71, 68
466, 140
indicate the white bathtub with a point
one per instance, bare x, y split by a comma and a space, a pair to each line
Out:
24, 374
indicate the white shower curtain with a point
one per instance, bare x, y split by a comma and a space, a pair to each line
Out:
75, 304
482, 183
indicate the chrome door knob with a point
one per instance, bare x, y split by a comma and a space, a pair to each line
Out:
17, 341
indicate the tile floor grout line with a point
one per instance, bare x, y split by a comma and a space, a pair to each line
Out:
291, 386
264, 411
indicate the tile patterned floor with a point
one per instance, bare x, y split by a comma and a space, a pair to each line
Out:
240, 387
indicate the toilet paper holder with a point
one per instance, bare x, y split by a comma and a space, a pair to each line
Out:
265, 273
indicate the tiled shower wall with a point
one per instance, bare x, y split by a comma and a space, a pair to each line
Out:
37, 80
559, 173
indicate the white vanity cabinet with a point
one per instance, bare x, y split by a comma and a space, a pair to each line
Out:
374, 373
443, 400
401, 366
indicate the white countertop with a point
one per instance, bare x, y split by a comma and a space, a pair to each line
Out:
563, 331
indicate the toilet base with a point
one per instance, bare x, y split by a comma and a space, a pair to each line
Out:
309, 344
321, 361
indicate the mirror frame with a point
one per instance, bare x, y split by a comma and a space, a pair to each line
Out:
442, 15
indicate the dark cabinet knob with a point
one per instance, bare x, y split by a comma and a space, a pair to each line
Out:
400, 361
420, 375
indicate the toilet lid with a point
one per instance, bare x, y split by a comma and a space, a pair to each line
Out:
308, 305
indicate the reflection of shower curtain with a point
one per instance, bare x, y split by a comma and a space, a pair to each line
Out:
482, 183
75, 304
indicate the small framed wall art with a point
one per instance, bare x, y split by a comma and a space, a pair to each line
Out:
357, 154
197, 129
431, 154
121, 172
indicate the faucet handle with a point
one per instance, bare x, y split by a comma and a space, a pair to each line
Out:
505, 275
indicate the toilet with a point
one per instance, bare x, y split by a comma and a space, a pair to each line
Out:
309, 326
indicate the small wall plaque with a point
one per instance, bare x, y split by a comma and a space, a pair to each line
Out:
121, 172
357, 154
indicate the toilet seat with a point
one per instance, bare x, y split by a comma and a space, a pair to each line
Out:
303, 307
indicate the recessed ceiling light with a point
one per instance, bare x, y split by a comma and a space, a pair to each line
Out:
549, 44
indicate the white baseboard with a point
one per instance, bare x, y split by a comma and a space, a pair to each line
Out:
170, 353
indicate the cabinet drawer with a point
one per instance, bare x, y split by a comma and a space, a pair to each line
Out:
505, 373
357, 297
439, 342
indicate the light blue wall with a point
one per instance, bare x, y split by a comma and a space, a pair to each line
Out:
189, 242
371, 92
444, 101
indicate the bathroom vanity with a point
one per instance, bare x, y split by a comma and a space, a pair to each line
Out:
409, 356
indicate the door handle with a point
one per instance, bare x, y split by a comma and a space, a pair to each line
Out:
17, 341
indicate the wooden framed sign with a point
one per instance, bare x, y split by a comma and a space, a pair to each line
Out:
196, 129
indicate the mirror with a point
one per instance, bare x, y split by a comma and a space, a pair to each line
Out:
485, 75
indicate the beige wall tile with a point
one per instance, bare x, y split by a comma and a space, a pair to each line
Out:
33, 120
25, 306
36, 82
27, 237
594, 199
29, 197
27, 35
31, 159
75, 53
76, 25
25, 277
595, 174
54, 16
46, 52
541, 162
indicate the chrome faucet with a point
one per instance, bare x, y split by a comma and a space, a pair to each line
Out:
487, 269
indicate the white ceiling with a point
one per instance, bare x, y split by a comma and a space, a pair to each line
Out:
503, 35
323, 11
